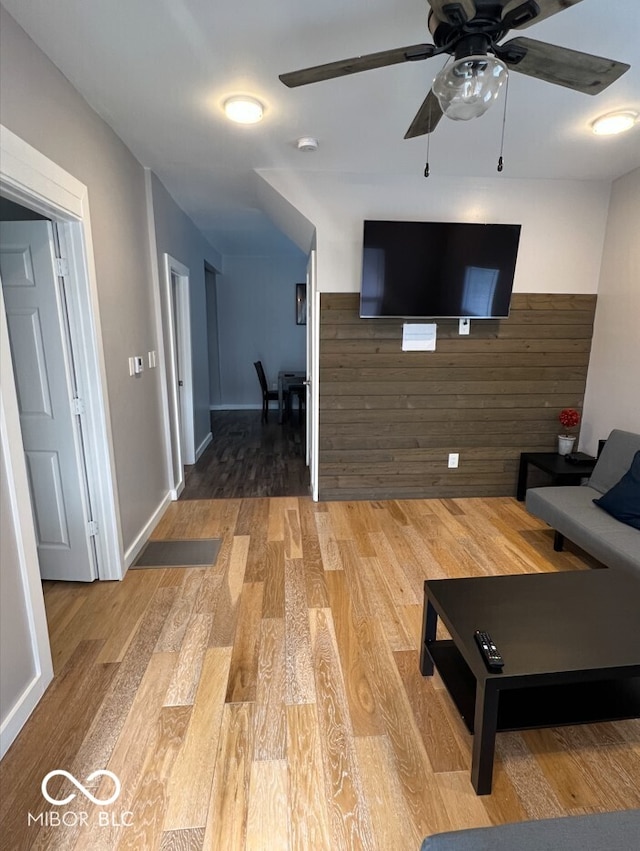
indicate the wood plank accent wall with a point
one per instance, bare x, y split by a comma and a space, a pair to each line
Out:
389, 419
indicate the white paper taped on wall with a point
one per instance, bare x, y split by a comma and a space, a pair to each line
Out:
419, 337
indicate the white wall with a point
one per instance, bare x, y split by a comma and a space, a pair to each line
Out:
612, 398
40, 106
177, 236
17, 662
563, 221
257, 321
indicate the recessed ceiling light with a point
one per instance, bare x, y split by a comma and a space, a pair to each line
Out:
614, 122
243, 110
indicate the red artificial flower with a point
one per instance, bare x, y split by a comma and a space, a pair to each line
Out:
569, 417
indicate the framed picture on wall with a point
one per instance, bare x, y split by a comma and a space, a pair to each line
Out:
301, 304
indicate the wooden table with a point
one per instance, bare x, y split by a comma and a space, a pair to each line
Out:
570, 643
561, 471
285, 379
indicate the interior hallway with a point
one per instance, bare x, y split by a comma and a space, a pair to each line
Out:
249, 458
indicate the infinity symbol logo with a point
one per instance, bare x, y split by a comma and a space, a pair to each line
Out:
79, 786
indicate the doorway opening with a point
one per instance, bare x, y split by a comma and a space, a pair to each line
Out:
57, 204
35, 289
179, 371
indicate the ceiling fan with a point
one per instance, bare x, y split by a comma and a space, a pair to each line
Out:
469, 30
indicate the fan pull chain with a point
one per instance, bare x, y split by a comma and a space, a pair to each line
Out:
504, 121
426, 165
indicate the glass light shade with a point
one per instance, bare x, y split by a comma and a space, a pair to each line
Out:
243, 110
613, 123
467, 88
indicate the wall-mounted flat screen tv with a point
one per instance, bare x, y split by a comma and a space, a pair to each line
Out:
437, 269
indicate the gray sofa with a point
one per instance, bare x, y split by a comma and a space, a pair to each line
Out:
573, 514
618, 831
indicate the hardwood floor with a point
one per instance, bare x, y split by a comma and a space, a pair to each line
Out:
274, 701
248, 458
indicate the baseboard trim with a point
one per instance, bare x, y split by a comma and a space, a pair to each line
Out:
203, 445
136, 547
238, 407
21, 710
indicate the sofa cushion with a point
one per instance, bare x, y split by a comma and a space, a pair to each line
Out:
622, 501
617, 831
572, 512
615, 459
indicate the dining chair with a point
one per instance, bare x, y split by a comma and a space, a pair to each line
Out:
267, 395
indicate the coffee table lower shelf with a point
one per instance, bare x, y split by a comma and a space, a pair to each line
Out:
533, 707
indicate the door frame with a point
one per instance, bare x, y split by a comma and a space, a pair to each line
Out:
21, 519
313, 371
49, 295
33, 180
177, 349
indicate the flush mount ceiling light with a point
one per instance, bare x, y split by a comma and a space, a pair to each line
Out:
243, 109
614, 122
467, 88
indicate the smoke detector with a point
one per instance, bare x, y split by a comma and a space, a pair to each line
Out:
307, 143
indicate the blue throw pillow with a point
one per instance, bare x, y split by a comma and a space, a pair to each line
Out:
622, 501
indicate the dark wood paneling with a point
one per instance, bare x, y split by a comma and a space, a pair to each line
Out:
389, 419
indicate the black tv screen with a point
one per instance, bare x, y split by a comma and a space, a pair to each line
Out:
437, 269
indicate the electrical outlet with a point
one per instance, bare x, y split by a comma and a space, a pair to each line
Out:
453, 459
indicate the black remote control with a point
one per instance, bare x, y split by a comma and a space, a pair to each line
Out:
489, 651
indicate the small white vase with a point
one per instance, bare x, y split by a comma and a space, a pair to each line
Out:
565, 443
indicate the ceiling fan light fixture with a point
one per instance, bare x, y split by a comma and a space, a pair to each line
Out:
243, 109
614, 122
467, 88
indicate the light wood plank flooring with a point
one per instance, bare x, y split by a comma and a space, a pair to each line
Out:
274, 701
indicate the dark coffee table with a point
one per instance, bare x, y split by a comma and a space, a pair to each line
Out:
571, 648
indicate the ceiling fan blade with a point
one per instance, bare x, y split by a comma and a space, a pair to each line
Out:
518, 14
580, 71
427, 117
359, 63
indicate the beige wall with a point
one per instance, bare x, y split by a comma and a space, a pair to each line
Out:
39, 105
177, 236
612, 397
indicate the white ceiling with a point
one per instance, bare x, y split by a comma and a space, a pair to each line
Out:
158, 71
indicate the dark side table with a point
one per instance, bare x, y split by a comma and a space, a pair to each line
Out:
560, 470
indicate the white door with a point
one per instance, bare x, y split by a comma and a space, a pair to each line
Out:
50, 427
175, 311
313, 324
